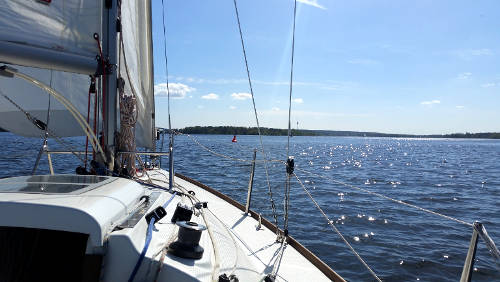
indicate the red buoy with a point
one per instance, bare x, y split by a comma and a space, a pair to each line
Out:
234, 139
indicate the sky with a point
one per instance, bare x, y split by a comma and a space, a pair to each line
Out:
418, 67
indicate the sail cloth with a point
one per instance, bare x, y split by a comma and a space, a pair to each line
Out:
67, 27
36, 34
35, 101
138, 50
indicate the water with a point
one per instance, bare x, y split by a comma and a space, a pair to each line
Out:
456, 177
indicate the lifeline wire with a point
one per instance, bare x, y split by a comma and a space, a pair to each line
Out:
389, 198
222, 155
273, 207
330, 222
341, 183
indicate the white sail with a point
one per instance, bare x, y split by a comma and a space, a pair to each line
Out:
61, 25
68, 27
137, 43
35, 102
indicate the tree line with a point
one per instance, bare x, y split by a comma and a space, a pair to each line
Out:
239, 130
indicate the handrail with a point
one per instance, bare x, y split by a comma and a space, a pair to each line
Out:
147, 153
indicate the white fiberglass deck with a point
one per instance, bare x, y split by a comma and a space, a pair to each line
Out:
103, 208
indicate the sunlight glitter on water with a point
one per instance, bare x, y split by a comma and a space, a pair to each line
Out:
404, 234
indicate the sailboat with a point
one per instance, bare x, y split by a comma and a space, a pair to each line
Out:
85, 68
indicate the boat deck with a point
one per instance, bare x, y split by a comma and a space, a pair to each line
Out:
111, 212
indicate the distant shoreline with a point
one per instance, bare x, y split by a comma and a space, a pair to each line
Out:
237, 130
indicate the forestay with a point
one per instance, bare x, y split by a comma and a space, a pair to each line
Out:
32, 31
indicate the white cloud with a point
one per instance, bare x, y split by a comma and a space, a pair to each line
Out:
327, 85
177, 90
307, 114
464, 75
275, 109
487, 85
298, 100
241, 96
469, 54
363, 62
232, 107
200, 107
430, 103
459, 107
210, 96
313, 3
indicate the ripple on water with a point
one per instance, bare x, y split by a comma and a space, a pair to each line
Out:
413, 245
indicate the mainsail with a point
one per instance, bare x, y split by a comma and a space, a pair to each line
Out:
61, 51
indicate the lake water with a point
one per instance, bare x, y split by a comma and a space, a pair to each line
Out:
456, 177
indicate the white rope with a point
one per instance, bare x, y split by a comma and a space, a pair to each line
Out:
388, 198
330, 222
228, 231
216, 268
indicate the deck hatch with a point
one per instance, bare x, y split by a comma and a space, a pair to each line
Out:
52, 184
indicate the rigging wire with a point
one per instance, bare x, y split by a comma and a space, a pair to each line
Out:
388, 198
67, 104
166, 62
51, 169
291, 81
330, 222
270, 191
340, 183
36, 123
286, 202
103, 89
222, 155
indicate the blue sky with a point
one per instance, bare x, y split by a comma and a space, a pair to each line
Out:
389, 66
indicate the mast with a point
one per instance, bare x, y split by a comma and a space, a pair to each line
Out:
109, 41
